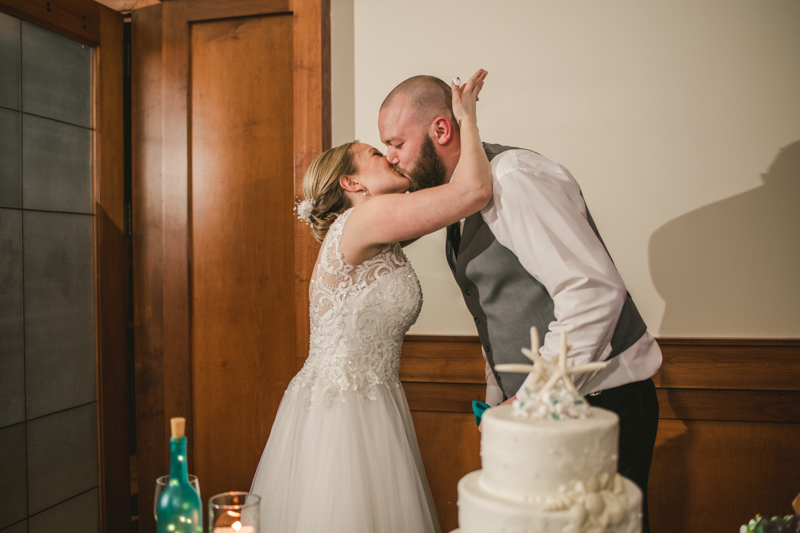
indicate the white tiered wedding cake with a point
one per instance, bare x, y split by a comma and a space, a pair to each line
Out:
549, 461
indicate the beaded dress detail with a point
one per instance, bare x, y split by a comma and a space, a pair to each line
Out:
342, 455
359, 316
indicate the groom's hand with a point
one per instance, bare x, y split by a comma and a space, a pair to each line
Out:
465, 96
507, 402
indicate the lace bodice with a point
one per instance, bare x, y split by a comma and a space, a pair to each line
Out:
359, 316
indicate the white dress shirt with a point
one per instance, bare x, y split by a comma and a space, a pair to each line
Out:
538, 213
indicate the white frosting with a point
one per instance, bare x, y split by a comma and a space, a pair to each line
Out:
528, 460
483, 512
548, 476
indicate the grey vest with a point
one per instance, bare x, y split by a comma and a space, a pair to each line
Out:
505, 300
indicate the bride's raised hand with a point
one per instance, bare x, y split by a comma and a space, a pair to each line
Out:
391, 218
465, 96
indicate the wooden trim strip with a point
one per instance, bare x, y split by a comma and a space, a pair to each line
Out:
466, 339
443, 397
312, 135
728, 364
77, 19
442, 359
722, 364
146, 144
216, 10
176, 222
730, 406
675, 404
662, 341
720, 341
111, 276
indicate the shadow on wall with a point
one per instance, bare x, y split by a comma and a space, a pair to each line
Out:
732, 268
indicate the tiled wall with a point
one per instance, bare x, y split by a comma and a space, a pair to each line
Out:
48, 421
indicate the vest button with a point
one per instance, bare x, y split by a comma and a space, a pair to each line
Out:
487, 349
477, 320
468, 292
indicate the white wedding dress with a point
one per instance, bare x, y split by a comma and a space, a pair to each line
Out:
342, 456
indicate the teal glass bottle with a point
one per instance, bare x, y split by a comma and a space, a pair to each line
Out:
179, 509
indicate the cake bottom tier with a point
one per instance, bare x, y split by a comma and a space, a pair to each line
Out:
482, 512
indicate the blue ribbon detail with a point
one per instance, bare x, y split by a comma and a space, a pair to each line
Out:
478, 408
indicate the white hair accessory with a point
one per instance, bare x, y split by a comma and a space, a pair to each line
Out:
303, 210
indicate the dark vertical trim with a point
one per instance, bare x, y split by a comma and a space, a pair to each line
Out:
325, 60
22, 251
111, 277
21, 180
152, 459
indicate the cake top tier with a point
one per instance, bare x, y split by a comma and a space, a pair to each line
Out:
528, 460
505, 417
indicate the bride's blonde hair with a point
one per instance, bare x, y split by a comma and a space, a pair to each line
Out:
321, 187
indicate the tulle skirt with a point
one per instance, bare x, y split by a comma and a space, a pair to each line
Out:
351, 467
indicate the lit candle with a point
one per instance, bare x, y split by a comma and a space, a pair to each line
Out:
236, 527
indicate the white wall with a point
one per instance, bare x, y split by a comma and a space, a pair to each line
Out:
343, 112
667, 113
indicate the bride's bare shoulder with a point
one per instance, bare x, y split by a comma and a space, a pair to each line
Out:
353, 245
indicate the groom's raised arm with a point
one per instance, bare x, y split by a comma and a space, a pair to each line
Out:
539, 214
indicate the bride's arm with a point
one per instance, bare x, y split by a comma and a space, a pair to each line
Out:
403, 217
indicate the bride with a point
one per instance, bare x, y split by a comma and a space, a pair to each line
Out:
342, 455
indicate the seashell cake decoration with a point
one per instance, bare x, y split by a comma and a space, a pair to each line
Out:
548, 391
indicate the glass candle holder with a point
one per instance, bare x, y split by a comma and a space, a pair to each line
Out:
234, 512
162, 482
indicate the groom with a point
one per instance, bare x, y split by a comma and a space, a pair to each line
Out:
533, 257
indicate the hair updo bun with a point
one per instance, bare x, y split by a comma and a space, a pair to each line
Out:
321, 187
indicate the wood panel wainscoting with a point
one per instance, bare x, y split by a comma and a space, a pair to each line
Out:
728, 433
230, 104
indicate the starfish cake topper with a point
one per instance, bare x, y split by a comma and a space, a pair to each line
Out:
537, 380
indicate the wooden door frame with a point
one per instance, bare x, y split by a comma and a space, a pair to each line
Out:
161, 41
312, 135
95, 25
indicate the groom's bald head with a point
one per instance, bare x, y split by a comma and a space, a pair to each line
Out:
421, 135
428, 96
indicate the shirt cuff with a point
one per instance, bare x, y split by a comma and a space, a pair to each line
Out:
494, 394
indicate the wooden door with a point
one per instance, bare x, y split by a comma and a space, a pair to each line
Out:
242, 304
230, 105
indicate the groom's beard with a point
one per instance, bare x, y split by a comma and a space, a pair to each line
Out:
428, 170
